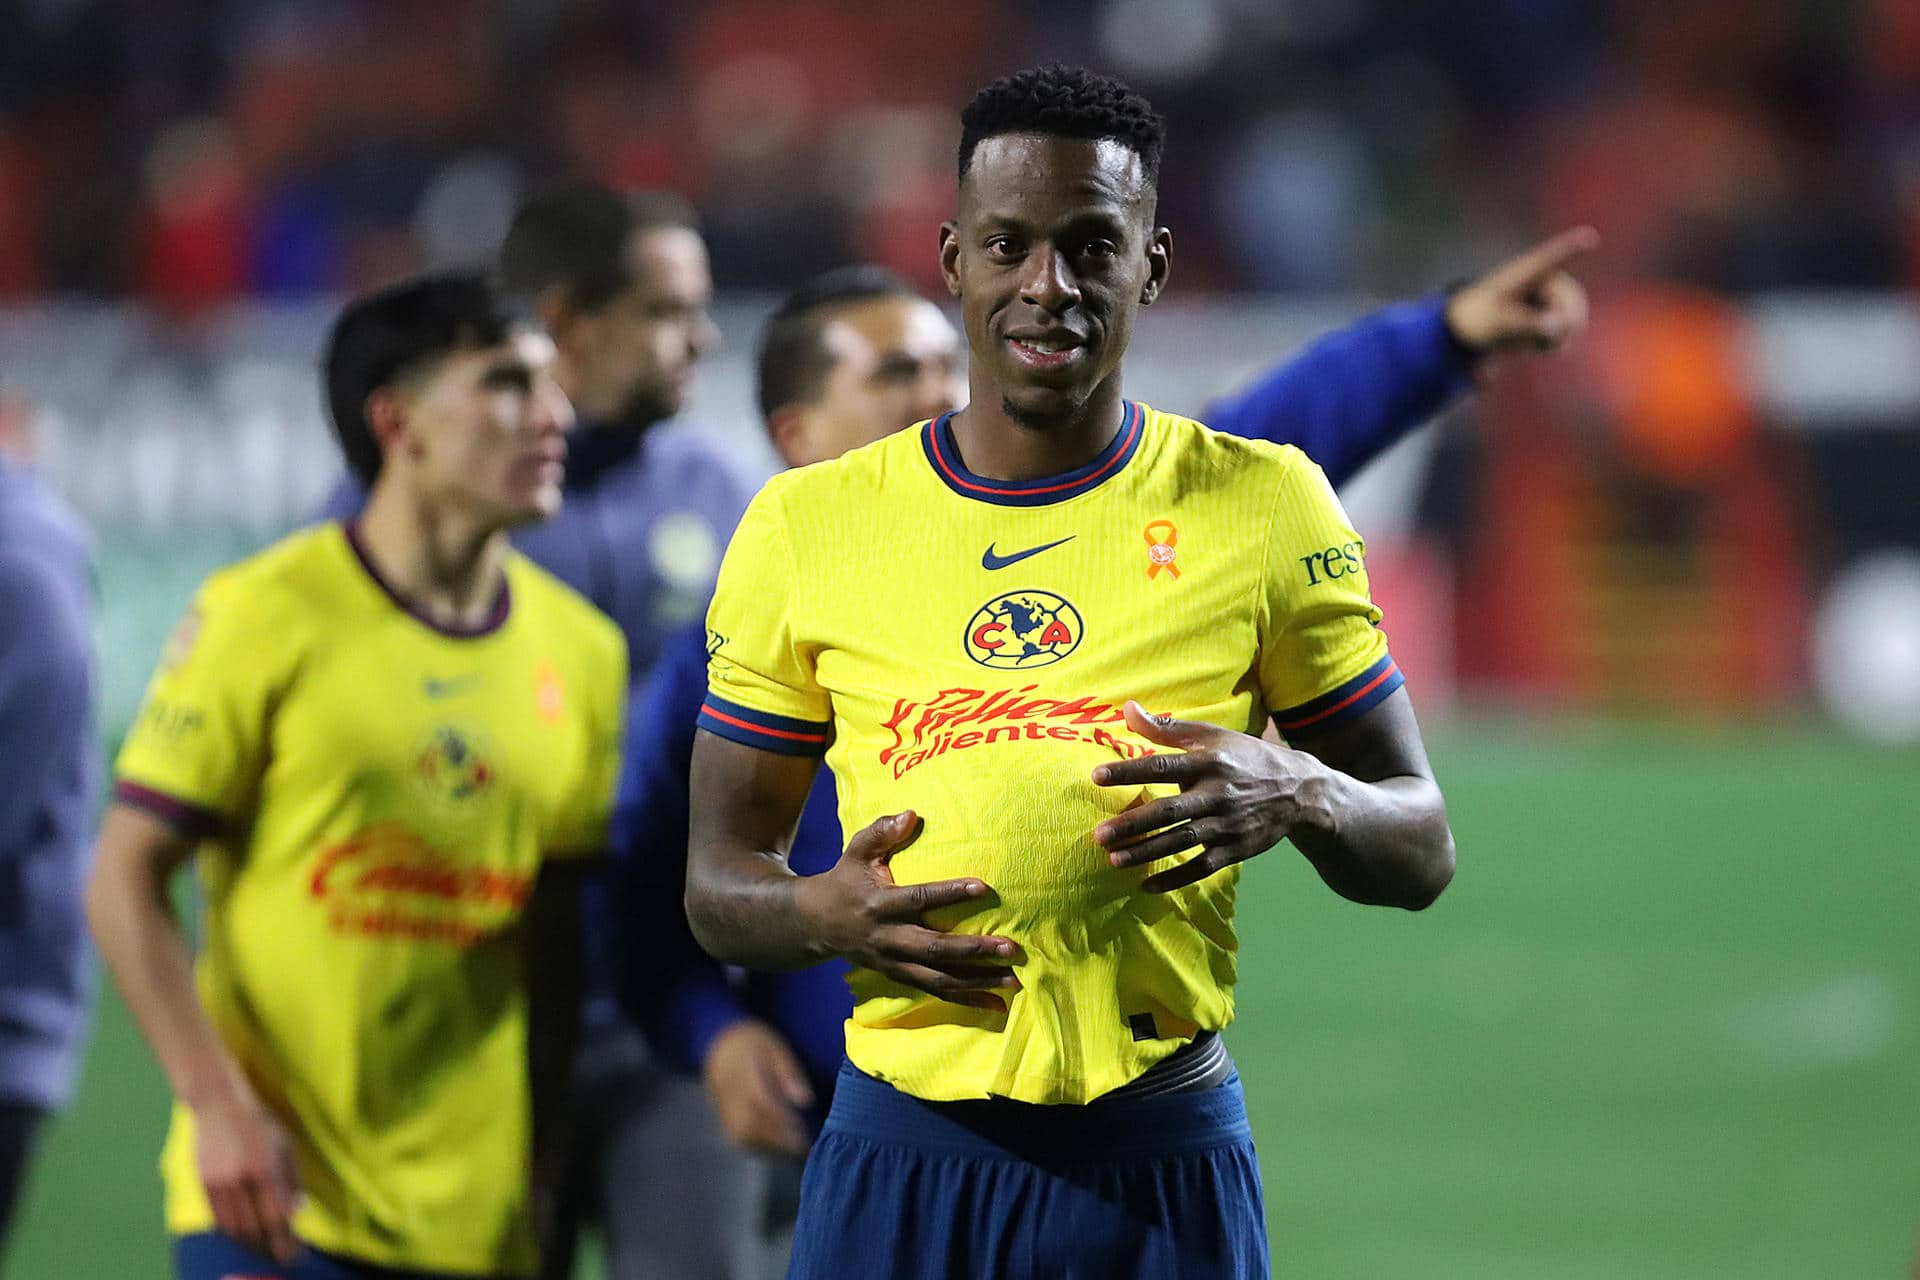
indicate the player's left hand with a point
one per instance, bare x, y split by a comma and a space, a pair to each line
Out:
1239, 796
1530, 303
758, 1088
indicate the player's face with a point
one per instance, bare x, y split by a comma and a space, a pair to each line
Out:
895, 361
631, 361
1052, 255
484, 432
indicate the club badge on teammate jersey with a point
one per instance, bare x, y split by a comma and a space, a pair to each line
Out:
453, 765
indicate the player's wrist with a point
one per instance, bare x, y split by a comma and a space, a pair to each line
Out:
1467, 339
816, 917
216, 1087
226, 1107
1316, 798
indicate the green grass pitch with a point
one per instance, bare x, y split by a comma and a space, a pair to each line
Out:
1666, 1023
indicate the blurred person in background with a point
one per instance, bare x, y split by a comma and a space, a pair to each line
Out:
848, 358
48, 697
369, 1060
621, 282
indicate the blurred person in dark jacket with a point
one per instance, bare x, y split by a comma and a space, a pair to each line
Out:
48, 691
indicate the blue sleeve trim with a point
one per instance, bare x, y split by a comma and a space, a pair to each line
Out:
783, 734
1351, 700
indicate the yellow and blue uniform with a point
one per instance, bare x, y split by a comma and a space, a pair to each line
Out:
374, 797
963, 647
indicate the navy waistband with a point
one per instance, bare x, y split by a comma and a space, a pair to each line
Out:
1104, 1129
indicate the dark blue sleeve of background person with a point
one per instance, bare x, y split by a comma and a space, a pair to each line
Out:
344, 502
1347, 397
681, 997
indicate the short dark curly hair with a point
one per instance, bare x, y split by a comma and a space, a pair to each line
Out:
1065, 102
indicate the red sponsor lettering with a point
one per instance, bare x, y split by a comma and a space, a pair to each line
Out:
916, 722
924, 728
393, 872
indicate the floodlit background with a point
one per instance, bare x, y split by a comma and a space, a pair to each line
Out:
1659, 599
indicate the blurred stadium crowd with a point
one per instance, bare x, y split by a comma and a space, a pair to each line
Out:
195, 153
1736, 429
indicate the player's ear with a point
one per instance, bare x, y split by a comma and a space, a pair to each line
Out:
1159, 265
555, 309
387, 411
950, 256
785, 427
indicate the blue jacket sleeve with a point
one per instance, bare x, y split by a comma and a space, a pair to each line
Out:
344, 503
1353, 393
671, 989
46, 690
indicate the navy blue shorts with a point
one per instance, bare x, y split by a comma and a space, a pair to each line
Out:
212, 1256
1155, 1188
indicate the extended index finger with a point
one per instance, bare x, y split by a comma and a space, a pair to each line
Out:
910, 901
1544, 260
1162, 766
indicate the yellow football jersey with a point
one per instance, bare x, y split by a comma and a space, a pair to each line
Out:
963, 647
375, 797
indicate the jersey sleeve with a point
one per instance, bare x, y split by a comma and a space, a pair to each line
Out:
199, 743
1323, 657
761, 686
581, 830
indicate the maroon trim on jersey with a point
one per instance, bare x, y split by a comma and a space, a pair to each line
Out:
495, 619
186, 818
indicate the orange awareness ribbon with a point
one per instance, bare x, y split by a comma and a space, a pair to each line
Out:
1160, 551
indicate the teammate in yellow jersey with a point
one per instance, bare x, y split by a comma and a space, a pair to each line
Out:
390, 745
968, 620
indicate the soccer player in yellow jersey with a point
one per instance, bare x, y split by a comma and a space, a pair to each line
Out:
389, 744
967, 620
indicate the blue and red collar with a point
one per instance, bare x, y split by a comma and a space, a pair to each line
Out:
942, 454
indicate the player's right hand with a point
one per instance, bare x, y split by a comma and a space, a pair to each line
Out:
246, 1164
1532, 302
759, 1088
860, 913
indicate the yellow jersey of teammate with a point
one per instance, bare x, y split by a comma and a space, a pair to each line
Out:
963, 647
376, 797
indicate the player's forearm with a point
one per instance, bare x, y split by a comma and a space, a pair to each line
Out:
745, 908
1383, 843
146, 952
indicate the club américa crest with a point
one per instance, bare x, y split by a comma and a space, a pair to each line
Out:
1023, 629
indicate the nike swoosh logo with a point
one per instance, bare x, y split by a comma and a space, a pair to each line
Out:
445, 688
992, 561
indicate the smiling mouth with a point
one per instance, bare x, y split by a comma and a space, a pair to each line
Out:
1048, 352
